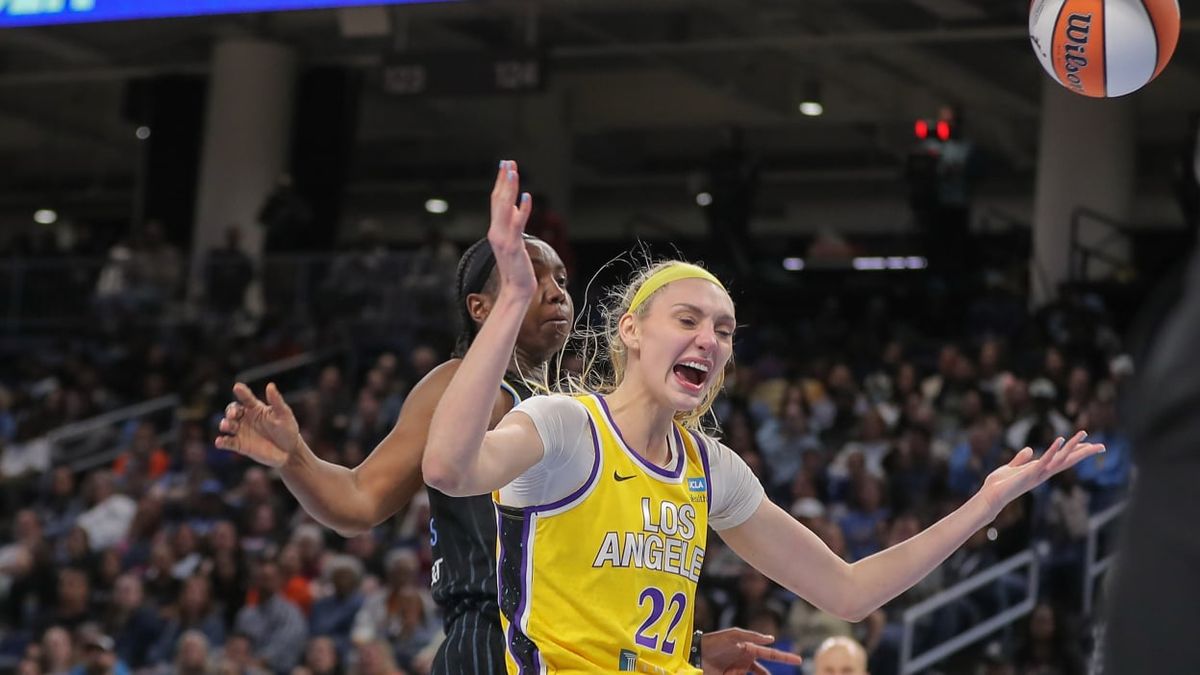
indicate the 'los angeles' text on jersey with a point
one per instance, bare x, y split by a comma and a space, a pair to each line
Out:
665, 542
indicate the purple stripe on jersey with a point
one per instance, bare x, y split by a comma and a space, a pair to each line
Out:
647, 464
500, 582
702, 450
526, 563
514, 623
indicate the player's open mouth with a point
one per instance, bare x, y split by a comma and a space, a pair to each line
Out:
692, 374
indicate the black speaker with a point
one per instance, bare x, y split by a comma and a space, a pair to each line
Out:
172, 107
327, 105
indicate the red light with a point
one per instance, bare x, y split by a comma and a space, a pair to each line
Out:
943, 130
922, 129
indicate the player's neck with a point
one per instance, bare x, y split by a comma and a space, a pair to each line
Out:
645, 424
525, 366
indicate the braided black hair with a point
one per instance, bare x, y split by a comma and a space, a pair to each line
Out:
474, 276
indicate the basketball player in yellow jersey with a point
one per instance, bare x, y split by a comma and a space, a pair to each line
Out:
630, 537
604, 497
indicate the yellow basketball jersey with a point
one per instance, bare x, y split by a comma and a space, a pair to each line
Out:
604, 579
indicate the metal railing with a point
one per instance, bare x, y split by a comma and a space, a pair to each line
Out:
59, 294
1110, 248
297, 375
288, 366
1093, 565
910, 663
992, 220
38, 293
95, 441
89, 443
1096, 564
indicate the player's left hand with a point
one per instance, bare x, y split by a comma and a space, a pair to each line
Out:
736, 651
1024, 472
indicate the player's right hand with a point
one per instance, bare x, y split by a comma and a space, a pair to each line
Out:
265, 432
507, 229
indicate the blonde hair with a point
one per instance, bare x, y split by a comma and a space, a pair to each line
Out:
605, 356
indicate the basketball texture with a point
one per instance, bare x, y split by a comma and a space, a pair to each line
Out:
1104, 48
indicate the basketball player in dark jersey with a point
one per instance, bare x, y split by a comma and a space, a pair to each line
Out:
352, 501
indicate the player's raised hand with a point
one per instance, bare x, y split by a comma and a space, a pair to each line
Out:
506, 232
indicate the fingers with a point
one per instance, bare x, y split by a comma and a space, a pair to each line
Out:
760, 653
523, 211
1075, 440
508, 193
235, 412
501, 179
1053, 449
1054, 464
1063, 455
759, 669
1082, 452
276, 399
509, 214
228, 443
1022, 457
1039, 468
504, 194
246, 397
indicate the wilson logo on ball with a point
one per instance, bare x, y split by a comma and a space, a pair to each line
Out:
1104, 48
1075, 49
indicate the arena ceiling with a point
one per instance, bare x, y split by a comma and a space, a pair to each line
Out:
649, 85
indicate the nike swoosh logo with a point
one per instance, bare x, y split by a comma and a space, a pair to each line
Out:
618, 477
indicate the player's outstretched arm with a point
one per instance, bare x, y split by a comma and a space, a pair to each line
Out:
348, 501
786, 551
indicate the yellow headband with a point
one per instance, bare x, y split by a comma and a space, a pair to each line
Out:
672, 272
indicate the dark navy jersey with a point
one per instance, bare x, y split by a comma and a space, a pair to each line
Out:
463, 533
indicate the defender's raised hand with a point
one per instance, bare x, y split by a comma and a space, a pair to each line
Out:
506, 231
265, 432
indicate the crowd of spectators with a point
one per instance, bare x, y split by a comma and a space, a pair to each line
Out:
176, 556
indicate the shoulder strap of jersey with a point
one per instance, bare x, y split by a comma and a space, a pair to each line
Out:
516, 387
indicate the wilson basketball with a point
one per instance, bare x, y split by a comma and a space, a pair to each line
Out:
1104, 48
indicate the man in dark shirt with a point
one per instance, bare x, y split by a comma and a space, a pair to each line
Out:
1153, 611
228, 272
